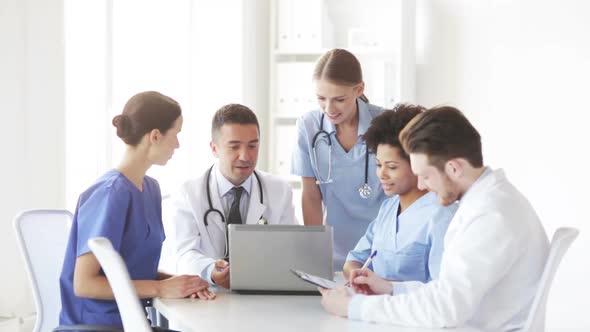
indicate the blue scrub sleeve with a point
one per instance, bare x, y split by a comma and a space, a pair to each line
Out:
363, 248
301, 157
102, 214
436, 234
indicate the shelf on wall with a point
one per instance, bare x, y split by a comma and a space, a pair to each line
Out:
313, 55
286, 118
379, 33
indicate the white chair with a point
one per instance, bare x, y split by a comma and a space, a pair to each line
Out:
132, 314
562, 239
42, 236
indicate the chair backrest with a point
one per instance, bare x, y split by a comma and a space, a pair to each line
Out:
562, 239
42, 236
132, 314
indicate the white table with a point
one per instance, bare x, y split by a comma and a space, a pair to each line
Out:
9, 324
235, 312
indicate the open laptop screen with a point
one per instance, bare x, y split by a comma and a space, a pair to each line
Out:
262, 256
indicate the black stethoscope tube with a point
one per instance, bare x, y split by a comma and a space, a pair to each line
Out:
212, 209
327, 135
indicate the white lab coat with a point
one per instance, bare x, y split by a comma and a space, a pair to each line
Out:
495, 253
198, 246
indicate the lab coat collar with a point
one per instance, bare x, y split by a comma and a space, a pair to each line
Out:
224, 185
256, 209
364, 119
485, 180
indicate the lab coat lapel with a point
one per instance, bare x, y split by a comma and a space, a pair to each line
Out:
214, 218
475, 193
255, 209
483, 184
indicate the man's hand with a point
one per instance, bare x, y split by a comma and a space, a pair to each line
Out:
368, 283
220, 274
336, 300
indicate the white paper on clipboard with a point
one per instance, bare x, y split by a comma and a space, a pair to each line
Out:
318, 281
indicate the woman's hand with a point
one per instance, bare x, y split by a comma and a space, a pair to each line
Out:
181, 286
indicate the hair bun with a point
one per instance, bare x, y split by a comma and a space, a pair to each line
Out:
123, 125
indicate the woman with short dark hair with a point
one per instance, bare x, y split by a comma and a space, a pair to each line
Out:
408, 233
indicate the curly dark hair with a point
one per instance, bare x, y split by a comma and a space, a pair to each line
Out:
386, 127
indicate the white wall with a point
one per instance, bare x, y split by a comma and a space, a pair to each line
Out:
32, 105
520, 71
256, 65
32, 113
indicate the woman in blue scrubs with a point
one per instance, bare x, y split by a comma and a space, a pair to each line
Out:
331, 156
124, 205
409, 230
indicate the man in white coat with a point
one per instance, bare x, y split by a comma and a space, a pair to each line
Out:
495, 246
231, 191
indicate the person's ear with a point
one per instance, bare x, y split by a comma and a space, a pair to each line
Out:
454, 168
214, 149
359, 89
155, 136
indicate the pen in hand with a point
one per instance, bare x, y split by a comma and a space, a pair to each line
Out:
365, 266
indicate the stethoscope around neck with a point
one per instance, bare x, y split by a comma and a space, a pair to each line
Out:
322, 135
211, 209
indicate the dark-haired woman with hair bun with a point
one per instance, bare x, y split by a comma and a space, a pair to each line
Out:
125, 206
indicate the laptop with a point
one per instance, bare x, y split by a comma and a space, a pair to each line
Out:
262, 257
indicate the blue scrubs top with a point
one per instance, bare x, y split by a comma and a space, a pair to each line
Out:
132, 220
409, 246
347, 212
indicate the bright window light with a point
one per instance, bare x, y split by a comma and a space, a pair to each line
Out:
115, 49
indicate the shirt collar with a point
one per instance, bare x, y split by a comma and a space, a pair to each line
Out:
364, 119
224, 185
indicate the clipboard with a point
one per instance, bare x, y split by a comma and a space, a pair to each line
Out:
312, 279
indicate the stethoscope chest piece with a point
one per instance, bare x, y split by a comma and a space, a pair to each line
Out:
365, 190
322, 135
